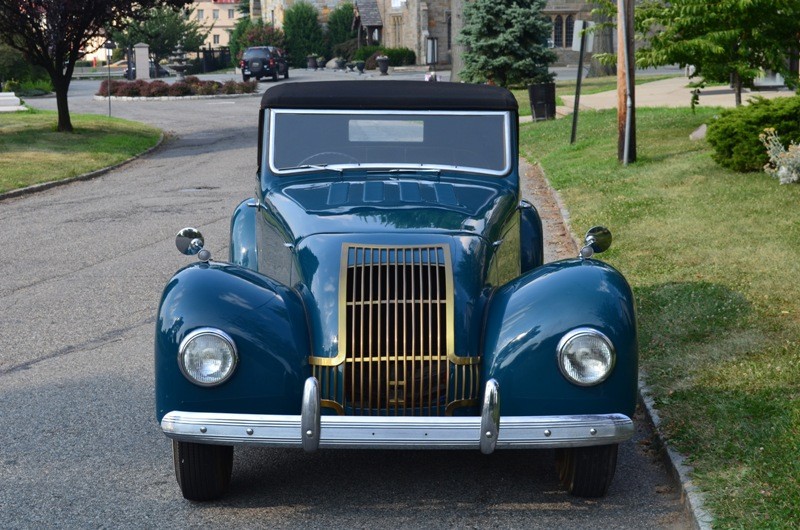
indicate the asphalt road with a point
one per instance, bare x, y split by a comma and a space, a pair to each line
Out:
82, 267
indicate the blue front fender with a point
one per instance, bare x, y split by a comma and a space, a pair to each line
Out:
528, 316
266, 321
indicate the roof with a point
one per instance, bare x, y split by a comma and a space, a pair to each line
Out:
367, 11
388, 95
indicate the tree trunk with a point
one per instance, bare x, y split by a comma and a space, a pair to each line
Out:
61, 87
603, 43
737, 88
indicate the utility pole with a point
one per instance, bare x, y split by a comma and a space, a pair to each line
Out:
626, 67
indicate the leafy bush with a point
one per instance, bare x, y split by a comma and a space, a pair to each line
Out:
158, 89
346, 49
12, 86
365, 52
207, 88
400, 56
180, 88
734, 135
190, 86
230, 87
783, 164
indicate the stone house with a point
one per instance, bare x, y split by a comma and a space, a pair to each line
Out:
409, 23
220, 16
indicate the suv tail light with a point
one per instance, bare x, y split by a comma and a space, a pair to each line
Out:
242, 63
272, 62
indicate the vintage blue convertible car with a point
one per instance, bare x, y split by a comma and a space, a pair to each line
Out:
385, 288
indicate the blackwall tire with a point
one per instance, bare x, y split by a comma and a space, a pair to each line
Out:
245, 78
203, 471
587, 471
275, 75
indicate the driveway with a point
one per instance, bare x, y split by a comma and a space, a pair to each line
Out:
82, 269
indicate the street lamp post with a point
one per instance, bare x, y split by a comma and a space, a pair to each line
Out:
109, 47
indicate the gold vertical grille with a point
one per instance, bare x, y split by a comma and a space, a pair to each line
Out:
396, 344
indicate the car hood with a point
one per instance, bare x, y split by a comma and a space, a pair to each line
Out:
392, 205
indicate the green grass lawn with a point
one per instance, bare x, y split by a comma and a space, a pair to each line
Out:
31, 152
712, 258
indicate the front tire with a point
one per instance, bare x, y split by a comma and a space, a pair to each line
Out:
203, 471
587, 471
245, 78
275, 75
286, 72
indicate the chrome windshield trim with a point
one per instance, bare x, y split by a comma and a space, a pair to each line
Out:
270, 140
381, 432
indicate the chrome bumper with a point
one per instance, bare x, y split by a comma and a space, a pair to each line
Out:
310, 430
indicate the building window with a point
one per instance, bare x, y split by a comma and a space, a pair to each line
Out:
231, 13
200, 14
216, 39
570, 31
215, 14
558, 32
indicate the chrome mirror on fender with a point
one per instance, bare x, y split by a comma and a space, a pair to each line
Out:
597, 240
190, 242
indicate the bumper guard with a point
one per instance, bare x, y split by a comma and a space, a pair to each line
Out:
310, 430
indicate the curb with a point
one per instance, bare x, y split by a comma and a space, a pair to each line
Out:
691, 496
86, 176
675, 463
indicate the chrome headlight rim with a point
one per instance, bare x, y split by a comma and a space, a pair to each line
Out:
578, 332
207, 331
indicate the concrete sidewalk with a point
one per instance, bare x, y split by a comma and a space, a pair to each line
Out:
673, 92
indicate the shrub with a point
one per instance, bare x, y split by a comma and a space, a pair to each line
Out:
192, 80
207, 88
783, 164
180, 88
400, 56
346, 49
12, 86
248, 87
734, 135
365, 52
230, 87
132, 89
157, 89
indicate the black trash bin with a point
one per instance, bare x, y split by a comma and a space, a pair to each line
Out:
543, 101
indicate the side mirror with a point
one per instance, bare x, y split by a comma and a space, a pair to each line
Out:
190, 242
597, 240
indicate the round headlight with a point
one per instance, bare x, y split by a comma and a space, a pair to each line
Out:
586, 356
207, 356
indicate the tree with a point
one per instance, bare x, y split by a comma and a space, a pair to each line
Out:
506, 42
249, 33
340, 24
303, 32
162, 30
54, 34
725, 40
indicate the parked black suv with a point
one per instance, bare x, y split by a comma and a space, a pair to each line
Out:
264, 61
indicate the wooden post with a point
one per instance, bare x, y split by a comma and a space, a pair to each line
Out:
626, 67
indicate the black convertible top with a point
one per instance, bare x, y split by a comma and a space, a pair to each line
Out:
388, 95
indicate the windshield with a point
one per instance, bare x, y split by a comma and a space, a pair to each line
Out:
303, 140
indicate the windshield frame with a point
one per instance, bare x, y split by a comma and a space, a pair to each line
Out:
507, 147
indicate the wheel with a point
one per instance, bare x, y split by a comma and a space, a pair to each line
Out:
587, 471
203, 471
245, 78
286, 72
274, 74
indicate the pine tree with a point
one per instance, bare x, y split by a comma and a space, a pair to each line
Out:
506, 42
303, 32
